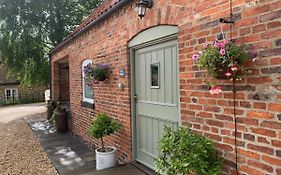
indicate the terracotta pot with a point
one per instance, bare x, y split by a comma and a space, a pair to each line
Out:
61, 122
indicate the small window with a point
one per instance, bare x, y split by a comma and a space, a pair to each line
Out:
88, 91
155, 76
11, 93
8, 93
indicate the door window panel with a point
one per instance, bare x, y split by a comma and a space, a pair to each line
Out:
155, 76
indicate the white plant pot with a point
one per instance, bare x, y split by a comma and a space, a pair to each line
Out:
105, 160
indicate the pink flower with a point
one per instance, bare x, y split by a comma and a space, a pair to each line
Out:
234, 68
206, 45
222, 51
253, 54
228, 74
225, 41
195, 57
215, 90
216, 44
200, 52
221, 44
233, 40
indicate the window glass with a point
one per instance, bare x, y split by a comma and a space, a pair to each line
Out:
11, 93
155, 75
8, 92
88, 91
88, 88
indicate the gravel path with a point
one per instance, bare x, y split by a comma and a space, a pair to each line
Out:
20, 152
10, 113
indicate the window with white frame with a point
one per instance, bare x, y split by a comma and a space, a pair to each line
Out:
11, 93
88, 90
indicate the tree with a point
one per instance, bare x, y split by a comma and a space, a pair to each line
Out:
30, 28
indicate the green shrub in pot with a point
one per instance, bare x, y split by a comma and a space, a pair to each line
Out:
51, 106
183, 152
59, 118
102, 126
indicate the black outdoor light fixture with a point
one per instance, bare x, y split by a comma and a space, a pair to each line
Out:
142, 6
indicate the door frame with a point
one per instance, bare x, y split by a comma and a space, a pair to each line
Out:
164, 36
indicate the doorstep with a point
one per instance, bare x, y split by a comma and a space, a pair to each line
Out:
70, 155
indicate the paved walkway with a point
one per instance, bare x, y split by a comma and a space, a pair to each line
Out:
70, 155
11, 113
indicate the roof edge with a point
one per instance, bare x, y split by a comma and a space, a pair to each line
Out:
9, 83
89, 26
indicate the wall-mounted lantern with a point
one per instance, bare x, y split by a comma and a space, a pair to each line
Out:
142, 6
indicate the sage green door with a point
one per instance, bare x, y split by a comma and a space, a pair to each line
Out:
157, 103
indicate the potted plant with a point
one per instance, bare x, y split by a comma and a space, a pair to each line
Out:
184, 152
102, 126
59, 118
225, 60
98, 72
51, 106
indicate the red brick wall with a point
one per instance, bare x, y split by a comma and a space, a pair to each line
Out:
55, 80
64, 82
258, 97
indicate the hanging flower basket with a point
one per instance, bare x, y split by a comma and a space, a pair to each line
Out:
97, 72
225, 60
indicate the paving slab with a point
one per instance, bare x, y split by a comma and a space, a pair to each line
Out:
70, 155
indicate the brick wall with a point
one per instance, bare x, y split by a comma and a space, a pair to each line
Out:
64, 82
55, 80
258, 97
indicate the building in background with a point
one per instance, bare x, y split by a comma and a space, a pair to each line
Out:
9, 87
11, 91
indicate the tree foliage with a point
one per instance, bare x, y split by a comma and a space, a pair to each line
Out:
30, 28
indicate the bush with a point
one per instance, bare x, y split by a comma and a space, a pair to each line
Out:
102, 126
56, 107
183, 152
52, 104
